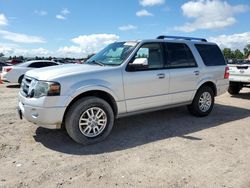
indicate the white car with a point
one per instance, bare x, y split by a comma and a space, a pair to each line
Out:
239, 76
15, 73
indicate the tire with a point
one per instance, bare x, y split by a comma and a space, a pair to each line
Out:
204, 93
93, 128
20, 79
234, 88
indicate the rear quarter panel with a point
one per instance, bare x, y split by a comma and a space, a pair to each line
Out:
214, 74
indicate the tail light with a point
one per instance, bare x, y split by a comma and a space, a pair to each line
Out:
226, 74
7, 69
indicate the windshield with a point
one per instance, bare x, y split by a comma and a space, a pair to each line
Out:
114, 54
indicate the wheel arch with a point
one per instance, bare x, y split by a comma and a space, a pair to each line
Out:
210, 84
95, 93
20, 78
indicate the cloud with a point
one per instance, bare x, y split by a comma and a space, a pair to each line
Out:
65, 11
143, 12
40, 52
207, 14
234, 41
20, 38
3, 20
127, 27
151, 2
84, 45
62, 16
67, 51
14, 50
41, 12
95, 40
87, 44
7, 48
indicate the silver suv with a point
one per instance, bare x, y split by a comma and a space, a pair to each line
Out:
125, 78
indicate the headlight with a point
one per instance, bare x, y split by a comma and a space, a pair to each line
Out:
42, 88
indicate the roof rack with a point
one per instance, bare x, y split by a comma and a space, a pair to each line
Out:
179, 37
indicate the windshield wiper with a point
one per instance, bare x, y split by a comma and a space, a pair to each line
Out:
96, 62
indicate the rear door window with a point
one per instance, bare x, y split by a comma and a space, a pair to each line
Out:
51, 64
41, 64
179, 56
37, 65
210, 54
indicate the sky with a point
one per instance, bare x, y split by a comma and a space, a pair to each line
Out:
77, 28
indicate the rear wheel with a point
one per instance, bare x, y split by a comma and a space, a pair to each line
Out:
203, 102
89, 120
234, 88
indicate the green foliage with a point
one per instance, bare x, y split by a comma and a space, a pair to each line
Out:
237, 54
228, 53
247, 51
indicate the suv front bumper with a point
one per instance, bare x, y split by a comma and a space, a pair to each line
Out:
47, 117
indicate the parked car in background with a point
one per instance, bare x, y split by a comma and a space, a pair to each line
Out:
14, 61
15, 73
123, 79
239, 75
2, 64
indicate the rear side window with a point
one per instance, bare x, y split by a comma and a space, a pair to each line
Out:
41, 64
179, 56
210, 54
37, 65
51, 64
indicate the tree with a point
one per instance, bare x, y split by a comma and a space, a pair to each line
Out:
228, 54
238, 54
1, 54
247, 51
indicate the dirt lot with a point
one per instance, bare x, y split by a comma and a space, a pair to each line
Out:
162, 149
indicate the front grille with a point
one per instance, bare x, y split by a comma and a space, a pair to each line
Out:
25, 86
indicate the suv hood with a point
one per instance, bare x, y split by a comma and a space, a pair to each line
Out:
49, 73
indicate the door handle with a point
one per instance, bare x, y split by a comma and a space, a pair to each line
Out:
161, 75
196, 73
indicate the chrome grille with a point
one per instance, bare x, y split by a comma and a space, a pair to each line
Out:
25, 86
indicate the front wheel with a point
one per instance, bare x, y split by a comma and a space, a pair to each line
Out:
203, 102
89, 120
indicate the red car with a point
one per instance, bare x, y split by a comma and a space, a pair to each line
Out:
14, 61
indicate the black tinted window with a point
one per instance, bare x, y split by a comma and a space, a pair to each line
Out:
210, 54
37, 65
41, 64
179, 55
51, 64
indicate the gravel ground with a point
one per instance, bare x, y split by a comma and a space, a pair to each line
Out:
167, 148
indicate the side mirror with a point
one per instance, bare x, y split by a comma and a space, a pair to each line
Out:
138, 63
